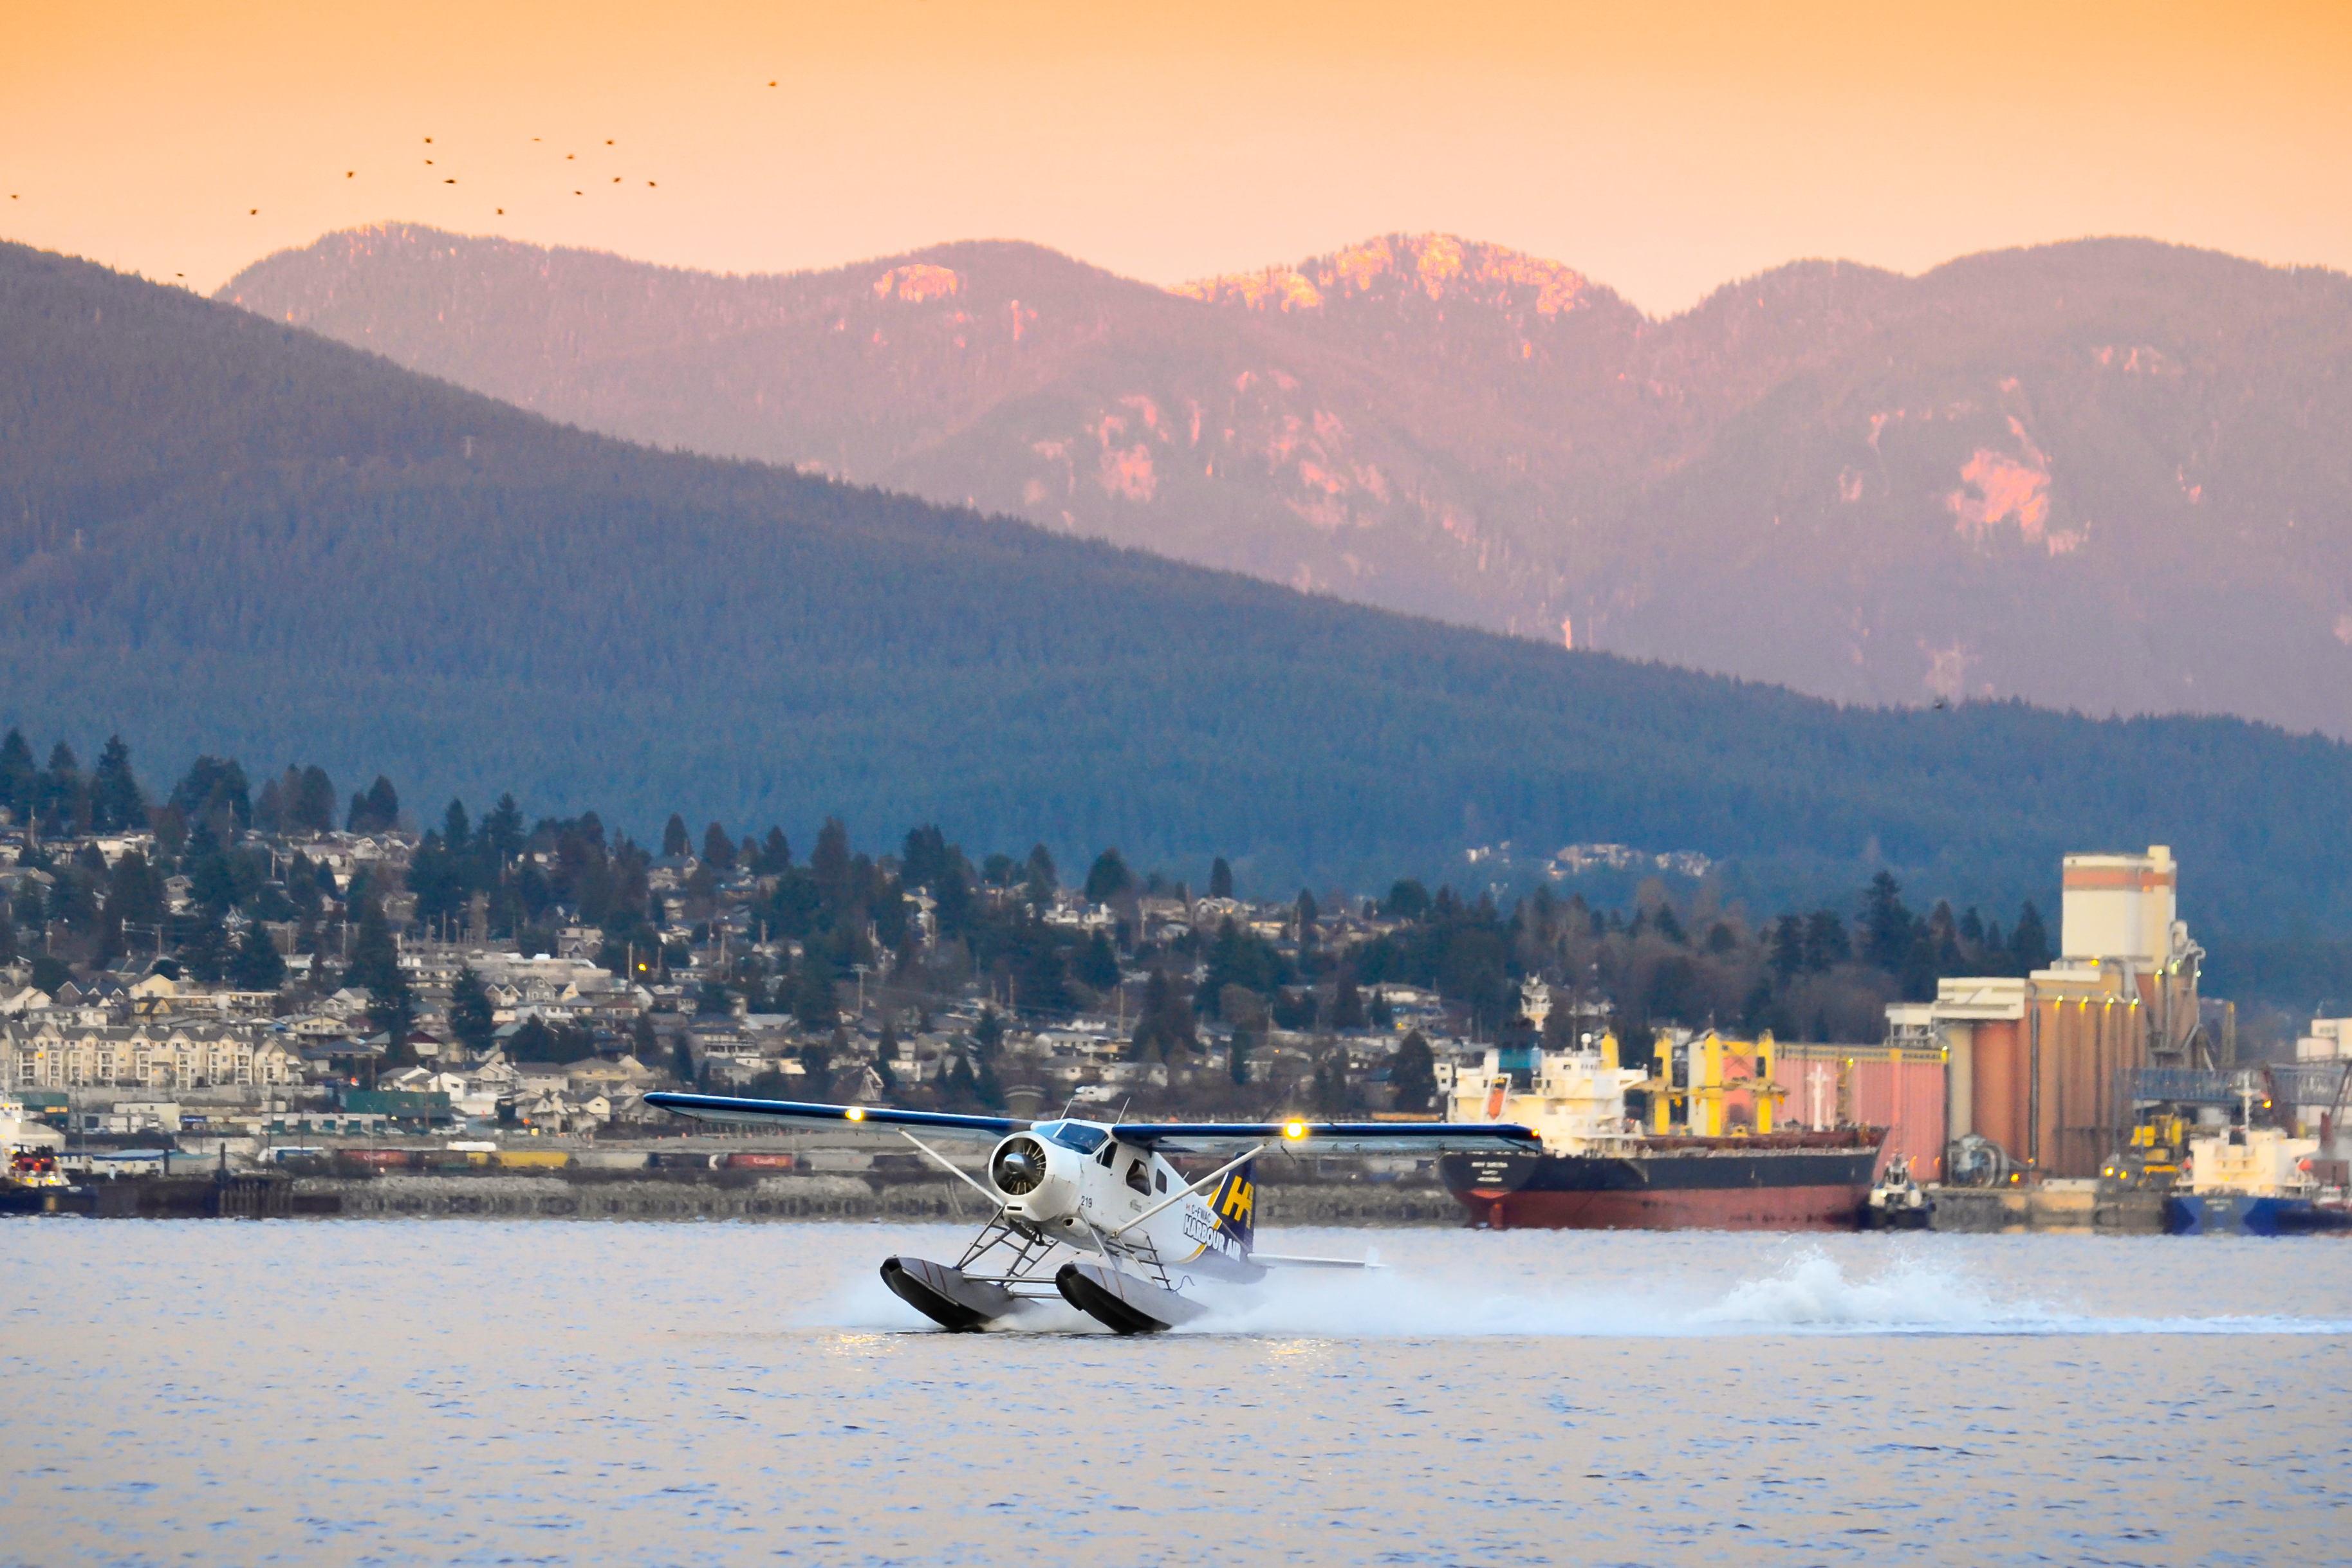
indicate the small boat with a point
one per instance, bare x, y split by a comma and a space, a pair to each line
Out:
1897, 1201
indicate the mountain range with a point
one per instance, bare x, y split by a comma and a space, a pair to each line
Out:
226, 535
2110, 474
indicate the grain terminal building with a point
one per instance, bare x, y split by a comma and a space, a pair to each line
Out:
2033, 1064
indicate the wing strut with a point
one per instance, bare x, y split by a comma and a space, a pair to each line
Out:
956, 1171
1181, 1195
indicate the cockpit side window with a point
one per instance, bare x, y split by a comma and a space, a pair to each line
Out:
1137, 1177
1108, 1156
1159, 1181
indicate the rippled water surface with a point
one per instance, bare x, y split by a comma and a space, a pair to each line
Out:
547, 1392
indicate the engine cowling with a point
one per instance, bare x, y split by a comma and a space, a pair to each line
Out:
1039, 1179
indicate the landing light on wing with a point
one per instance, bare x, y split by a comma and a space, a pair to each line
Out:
855, 1113
1294, 1130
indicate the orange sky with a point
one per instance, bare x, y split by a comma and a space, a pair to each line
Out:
1661, 147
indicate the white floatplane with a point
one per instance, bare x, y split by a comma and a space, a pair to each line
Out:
1093, 1212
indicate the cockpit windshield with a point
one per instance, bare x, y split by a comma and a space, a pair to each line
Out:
1071, 1135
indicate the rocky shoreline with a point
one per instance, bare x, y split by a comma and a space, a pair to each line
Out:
797, 1196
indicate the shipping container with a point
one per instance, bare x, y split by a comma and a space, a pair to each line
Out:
749, 1161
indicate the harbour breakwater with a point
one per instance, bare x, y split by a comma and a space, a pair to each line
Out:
592, 1195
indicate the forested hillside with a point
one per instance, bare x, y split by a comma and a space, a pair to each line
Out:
219, 532
2108, 474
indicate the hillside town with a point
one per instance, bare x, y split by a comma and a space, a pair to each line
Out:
235, 965
284, 968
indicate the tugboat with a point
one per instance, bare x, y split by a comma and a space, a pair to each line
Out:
1724, 1167
30, 1181
1898, 1202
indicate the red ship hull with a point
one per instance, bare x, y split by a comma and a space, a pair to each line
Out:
1790, 1181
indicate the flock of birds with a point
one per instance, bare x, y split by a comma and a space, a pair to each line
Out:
448, 180
451, 178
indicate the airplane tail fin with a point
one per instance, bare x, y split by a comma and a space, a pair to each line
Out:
1235, 1203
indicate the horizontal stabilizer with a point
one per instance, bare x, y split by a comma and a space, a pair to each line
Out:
1330, 1137
1277, 1260
830, 1118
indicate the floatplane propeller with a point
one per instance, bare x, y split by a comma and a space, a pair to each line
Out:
1093, 1212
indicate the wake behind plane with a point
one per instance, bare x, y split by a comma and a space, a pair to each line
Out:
1093, 1212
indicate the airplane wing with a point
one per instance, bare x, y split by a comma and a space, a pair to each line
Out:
797, 1114
1330, 1137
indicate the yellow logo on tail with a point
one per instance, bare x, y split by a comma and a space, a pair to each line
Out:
1239, 1199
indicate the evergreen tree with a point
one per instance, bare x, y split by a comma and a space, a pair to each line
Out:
501, 836
814, 1002
717, 850
270, 806
885, 1058
924, 860
987, 1091
534, 1041
376, 812
1407, 900
2028, 942
1347, 1003
1788, 946
375, 966
959, 1089
829, 862
1887, 924
456, 830
1166, 1027
312, 806
1413, 1074
1237, 1058
1097, 965
681, 1060
1221, 879
1039, 878
471, 1019
17, 773
1107, 877
205, 951
1826, 945
675, 844
116, 802
816, 1063
213, 794
64, 806
257, 966
775, 854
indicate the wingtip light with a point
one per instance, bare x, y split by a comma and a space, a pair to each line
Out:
855, 1113
1294, 1130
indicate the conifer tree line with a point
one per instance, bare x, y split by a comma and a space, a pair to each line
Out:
1824, 974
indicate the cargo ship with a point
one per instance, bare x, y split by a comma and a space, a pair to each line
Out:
1720, 1166
2258, 1181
